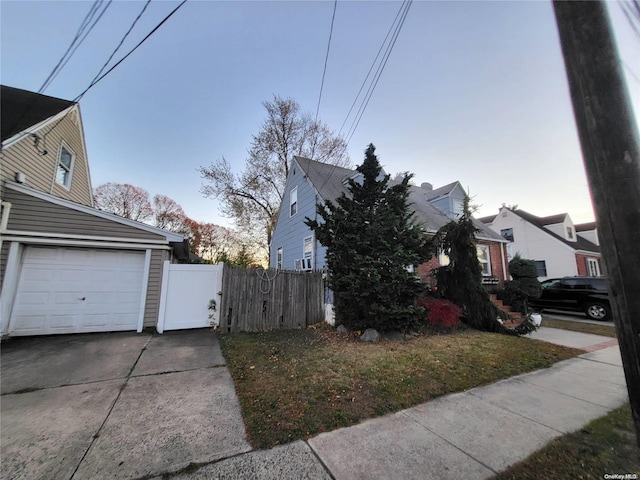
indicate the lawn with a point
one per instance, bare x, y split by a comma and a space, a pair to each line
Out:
604, 330
605, 446
294, 384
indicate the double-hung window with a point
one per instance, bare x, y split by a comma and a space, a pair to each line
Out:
307, 253
482, 251
279, 256
293, 202
64, 167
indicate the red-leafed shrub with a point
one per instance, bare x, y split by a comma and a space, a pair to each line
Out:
441, 312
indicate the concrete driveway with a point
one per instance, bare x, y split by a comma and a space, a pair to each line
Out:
118, 405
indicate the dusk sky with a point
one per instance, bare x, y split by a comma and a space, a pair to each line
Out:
473, 91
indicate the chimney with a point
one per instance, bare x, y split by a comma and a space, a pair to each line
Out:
426, 186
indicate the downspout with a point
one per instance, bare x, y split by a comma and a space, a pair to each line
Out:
503, 249
4, 221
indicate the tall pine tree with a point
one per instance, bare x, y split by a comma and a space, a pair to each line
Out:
371, 241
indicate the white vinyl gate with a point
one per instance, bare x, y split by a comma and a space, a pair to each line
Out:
187, 295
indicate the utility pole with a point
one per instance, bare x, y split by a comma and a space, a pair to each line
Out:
609, 141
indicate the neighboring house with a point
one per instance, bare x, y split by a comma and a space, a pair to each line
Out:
294, 247
65, 266
557, 246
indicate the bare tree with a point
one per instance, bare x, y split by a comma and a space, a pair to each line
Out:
125, 200
253, 197
167, 213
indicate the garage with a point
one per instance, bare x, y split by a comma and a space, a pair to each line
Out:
76, 290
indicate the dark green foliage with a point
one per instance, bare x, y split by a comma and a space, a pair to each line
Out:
525, 284
461, 280
371, 239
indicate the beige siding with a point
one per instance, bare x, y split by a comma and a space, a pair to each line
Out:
154, 287
33, 214
40, 170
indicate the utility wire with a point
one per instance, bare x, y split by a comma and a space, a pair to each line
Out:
130, 51
326, 58
122, 40
364, 82
80, 37
406, 5
396, 27
96, 80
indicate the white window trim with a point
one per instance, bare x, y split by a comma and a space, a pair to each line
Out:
486, 248
293, 194
307, 262
66, 186
279, 258
593, 268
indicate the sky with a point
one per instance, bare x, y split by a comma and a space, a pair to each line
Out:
472, 91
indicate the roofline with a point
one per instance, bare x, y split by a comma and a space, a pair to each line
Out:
170, 236
38, 126
553, 235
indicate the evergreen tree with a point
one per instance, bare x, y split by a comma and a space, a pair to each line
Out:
371, 240
461, 280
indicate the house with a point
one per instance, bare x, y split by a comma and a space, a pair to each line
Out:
65, 266
557, 246
294, 247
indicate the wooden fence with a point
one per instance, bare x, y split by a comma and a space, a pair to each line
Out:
259, 300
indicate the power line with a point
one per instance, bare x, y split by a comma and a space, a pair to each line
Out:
96, 80
122, 40
406, 5
130, 51
79, 38
396, 27
326, 58
364, 82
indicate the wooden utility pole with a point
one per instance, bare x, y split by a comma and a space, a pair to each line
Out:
609, 141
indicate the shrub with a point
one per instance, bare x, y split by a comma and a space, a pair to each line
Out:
441, 312
525, 284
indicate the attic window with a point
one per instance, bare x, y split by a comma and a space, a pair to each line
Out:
293, 202
65, 165
569, 233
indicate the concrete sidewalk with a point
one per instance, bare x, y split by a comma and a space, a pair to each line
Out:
473, 434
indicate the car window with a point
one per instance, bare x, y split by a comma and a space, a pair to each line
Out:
599, 284
550, 284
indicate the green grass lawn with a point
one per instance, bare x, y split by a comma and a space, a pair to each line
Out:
605, 446
604, 330
294, 384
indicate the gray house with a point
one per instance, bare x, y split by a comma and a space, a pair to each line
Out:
294, 247
66, 267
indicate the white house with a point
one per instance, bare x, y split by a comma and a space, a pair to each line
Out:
558, 247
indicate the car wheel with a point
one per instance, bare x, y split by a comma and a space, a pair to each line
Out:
597, 311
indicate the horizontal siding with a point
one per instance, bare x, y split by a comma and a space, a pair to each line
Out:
40, 170
152, 306
290, 231
36, 215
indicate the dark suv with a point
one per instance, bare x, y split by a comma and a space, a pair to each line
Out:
582, 294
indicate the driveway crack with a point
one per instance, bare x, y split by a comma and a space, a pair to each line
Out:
96, 435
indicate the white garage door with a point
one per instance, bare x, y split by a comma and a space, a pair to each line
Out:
67, 290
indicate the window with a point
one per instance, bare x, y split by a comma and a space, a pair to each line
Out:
569, 233
507, 234
458, 208
279, 259
482, 251
293, 202
65, 164
307, 253
443, 259
541, 267
593, 267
